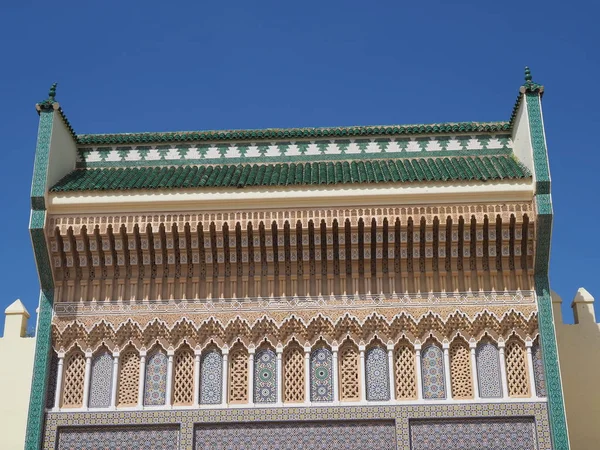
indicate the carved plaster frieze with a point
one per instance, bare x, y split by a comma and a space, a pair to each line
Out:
304, 326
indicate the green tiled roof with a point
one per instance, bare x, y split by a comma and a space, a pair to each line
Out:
479, 168
270, 133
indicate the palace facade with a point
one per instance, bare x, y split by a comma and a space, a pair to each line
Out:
376, 287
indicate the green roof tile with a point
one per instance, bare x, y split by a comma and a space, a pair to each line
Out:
480, 168
277, 133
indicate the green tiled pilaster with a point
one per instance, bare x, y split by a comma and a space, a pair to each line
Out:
35, 418
543, 203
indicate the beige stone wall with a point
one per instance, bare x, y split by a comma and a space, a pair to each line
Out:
16, 354
579, 353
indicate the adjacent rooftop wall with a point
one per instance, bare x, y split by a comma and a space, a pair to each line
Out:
579, 352
16, 356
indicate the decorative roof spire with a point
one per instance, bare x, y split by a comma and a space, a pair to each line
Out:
529, 85
527, 75
52, 92
51, 100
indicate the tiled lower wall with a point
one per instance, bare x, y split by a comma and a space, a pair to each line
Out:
522, 426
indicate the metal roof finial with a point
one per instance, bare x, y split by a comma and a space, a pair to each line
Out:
52, 93
528, 77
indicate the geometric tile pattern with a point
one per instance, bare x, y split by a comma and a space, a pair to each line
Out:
321, 375
155, 387
122, 438
347, 435
538, 369
265, 376
402, 414
473, 434
432, 370
101, 380
211, 377
377, 374
488, 370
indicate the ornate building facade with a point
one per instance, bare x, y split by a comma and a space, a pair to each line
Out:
361, 287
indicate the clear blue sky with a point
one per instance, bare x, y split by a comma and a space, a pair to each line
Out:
159, 66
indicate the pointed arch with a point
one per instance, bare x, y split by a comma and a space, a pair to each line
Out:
488, 369
211, 376
183, 376
129, 377
432, 371
321, 373
238, 374
101, 378
377, 373
155, 383
73, 379
349, 371
293, 373
461, 372
265, 375
405, 371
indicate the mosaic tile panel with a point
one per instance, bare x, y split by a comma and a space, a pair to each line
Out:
211, 378
377, 374
349, 435
474, 434
321, 375
488, 370
101, 380
402, 414
265, 376
52, 379
155, 387
153, 437
432, 371
538, 369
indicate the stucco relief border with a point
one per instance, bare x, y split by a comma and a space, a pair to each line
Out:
280, 217
82, 309
401, 414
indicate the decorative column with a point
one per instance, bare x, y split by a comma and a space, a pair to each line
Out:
170, 354
279, 351
225, 353
528, 345
390, 351
363, 375
501, 346
336, 394
115, 381
59, 380
418, 371
142, 378
196, 377
307, 375
446, 347
251, 376
86, 380
473, 346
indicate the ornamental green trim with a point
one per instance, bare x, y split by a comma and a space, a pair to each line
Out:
481, 168
35, 417
543, 202
288, 133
